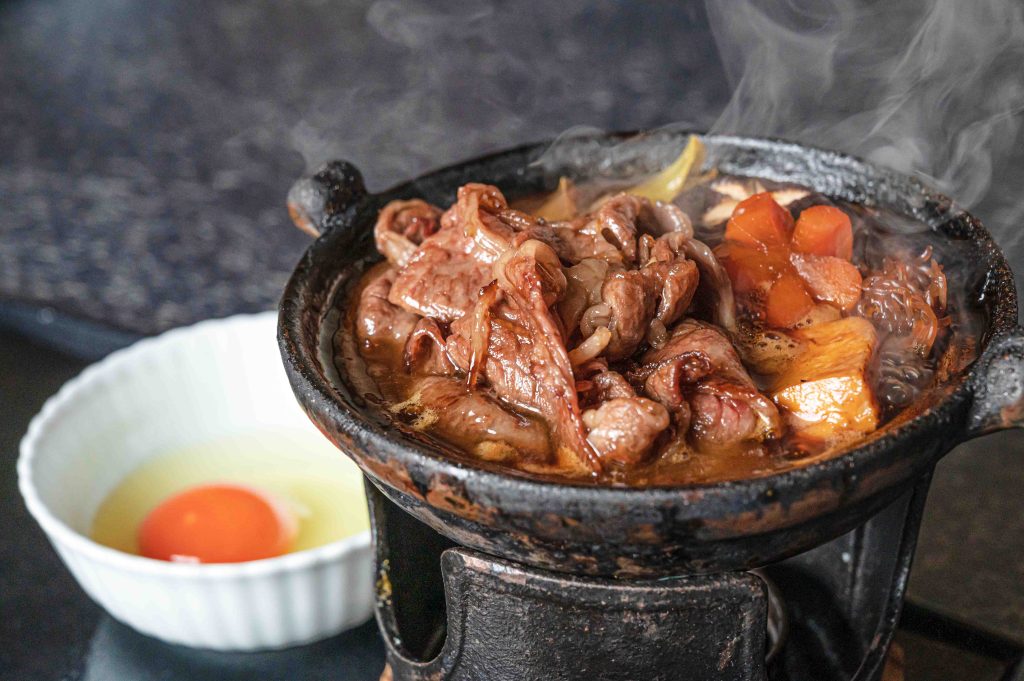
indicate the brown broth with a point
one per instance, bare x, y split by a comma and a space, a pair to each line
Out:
379, 374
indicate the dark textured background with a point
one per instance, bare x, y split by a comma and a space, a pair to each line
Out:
145, 152
148, 146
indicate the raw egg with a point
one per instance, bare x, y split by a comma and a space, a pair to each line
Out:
217, 524
247, 496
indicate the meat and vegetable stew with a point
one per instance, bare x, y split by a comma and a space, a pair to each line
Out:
686, 328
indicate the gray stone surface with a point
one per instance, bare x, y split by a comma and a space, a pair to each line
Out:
49, 628
39, 600
148, 147
970, 561
968, 566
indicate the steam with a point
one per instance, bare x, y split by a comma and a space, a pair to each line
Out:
466, 77
929, 87
452, 93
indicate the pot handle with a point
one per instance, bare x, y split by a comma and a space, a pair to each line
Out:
998, 385
333, 189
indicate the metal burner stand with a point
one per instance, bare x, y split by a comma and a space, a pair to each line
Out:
481, 618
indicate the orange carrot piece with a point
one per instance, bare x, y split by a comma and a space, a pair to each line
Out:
759, 221
829, 279
788, 301
824, 230
751, 268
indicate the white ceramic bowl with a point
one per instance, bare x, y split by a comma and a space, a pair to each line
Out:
185, 387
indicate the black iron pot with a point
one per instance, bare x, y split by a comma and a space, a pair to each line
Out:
592, 530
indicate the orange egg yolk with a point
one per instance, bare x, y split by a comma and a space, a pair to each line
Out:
217, 524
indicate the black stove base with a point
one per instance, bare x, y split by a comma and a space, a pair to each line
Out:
447, 612
508, 623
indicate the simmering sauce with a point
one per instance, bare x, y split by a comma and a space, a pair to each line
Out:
886, 346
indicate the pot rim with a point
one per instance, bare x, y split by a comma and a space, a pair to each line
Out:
369, 438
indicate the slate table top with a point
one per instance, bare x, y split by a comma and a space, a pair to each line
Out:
148, 146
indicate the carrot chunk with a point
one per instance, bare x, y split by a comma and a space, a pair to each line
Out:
751, 268
824, 230
829, 279
759, 221
788, 301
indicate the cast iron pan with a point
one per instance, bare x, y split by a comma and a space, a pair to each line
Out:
651, 531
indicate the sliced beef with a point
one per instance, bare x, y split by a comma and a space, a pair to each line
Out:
402, 226
623, 218
477, 214
527, 363
716, 286
602, 385
530, 280
678, 280
443, 275
443, 278
612, 384
426, 352
632, 299
624, 429
508, 361
378, 321
724, 413
698, 364
482, 214
572, 242
453, 411
616, 222
665, 382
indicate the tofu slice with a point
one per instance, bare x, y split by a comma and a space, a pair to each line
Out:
825, 392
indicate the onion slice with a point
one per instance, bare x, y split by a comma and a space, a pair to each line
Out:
481, 331
593, 346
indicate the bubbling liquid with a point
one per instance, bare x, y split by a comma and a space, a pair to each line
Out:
900, 377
